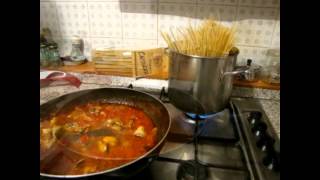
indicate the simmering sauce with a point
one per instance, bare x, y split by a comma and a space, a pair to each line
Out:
94, 137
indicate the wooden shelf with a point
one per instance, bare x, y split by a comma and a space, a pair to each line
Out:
257, 84
89, 68
82, 68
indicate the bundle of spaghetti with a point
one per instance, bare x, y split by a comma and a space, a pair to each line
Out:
209, 39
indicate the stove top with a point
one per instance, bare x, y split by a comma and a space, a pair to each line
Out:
215, 152
234, 144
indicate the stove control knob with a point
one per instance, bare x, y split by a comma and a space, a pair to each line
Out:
259, 129
272, 161
265, 142
254, 117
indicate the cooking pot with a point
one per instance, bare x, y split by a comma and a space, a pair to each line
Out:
253, 73
202, 85
151, 106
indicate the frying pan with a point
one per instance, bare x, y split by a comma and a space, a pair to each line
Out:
151, 106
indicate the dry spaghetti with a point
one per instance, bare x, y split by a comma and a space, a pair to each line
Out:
210, 39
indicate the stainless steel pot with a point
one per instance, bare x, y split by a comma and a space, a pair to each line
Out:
202, 85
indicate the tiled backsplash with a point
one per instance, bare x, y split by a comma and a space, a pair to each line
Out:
137, 23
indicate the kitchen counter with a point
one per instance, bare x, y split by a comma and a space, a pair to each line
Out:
272, 110
89, 68
270, 99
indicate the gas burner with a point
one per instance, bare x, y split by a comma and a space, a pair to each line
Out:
192, 118
192, 170
199, 116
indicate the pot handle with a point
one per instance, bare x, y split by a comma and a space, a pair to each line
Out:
239, 70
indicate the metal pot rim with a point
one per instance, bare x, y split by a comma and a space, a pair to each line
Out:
233, 52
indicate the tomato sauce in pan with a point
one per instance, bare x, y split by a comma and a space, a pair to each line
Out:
94, 137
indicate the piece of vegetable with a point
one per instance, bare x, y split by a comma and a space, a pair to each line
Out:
102, 113
110, 140
116, 127
108, 122
140, 132
75, 127
53, 121
46, 132
89, 169
48, 137
114, 124
103, 147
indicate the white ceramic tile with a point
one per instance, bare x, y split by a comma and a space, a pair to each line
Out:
65, 0
276, 36
178, 1
103, 0
260, 3
135, 24
256, 26
48, 17
106, 43
139, 44
226, 2
139, 20
87, 47
105, 19
225, 14
258, 55
174, 16
161, 42
73, 18
257, 13
121, 1
138, 1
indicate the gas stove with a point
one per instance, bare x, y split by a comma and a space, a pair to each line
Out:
234, 144
237, 143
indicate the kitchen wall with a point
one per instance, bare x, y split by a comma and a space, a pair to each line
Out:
137, 23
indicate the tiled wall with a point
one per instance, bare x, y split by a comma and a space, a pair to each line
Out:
137, 23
